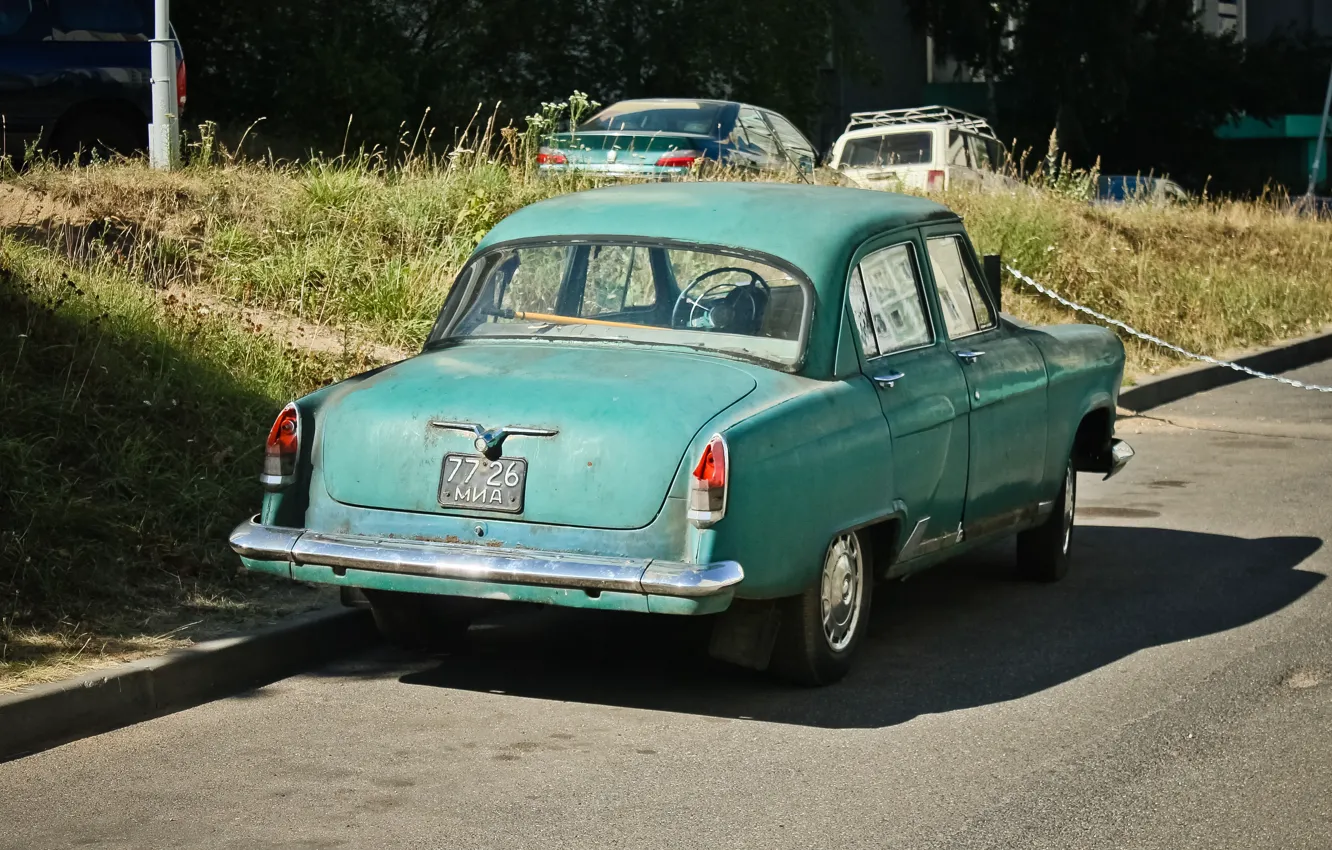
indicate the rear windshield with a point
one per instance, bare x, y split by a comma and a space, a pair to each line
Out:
657, 116
693, 296
895, 149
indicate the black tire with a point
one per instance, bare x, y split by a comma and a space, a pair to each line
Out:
1043, 551
814, 648
97, 133
422, 622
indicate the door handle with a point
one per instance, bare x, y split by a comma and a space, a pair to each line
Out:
969, 356
888, 379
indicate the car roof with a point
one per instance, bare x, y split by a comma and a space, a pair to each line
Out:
665, 100
866, 132
817, 229
814, 228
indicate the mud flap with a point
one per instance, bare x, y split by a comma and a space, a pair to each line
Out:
744, 634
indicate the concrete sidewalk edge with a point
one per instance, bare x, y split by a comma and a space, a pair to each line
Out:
1155, 392
59, 712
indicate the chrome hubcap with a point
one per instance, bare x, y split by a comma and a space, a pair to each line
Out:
842, 585
1070, 503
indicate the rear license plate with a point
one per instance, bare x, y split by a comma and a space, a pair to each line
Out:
475, 483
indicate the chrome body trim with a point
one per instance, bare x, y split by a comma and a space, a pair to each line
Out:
913, 541
490, 441
467, 562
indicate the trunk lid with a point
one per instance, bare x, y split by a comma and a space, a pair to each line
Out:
624, 418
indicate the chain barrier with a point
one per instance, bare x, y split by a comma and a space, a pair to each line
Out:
1049, 293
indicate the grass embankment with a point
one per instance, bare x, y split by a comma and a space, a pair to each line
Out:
152, 324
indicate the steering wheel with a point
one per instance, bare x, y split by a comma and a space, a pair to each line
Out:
725, 309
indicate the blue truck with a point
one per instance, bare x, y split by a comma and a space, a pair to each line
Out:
74, 77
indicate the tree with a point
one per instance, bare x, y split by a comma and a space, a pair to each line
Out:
307, 66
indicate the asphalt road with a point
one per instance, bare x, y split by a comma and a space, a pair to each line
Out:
1175, 691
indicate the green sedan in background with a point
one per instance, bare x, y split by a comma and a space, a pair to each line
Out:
751, 401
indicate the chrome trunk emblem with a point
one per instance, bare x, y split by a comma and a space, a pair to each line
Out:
490, 443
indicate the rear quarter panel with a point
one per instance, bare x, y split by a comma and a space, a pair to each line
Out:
808, 459
1085, 365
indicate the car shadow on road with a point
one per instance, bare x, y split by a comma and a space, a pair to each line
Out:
964, 635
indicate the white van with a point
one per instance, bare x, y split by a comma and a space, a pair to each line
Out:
932, 147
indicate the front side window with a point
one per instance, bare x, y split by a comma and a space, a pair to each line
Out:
889, 150
980, 153
755, 137
797, 147
695, 296
965, 309
886, 287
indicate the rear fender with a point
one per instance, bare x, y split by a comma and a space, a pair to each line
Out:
801, 472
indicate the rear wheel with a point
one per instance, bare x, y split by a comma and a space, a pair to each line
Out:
822, 627
1043, 551
422, 622
98, 134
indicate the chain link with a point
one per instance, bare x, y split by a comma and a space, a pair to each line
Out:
1049, 293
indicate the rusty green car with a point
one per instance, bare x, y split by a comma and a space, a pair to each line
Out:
750, 401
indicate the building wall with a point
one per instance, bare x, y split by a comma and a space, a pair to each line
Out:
894, 74
1254, 20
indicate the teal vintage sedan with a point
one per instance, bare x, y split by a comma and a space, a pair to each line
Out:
751, 401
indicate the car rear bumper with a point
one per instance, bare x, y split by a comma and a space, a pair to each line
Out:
461, 565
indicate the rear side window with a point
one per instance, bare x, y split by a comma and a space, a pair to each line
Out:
893, 149
957, 148
887, 302
121, 17
756, 136
965, 309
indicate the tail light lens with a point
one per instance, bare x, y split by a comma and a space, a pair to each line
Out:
707, 484
679, 159
180, 85
935, 181
281, 449
550, 156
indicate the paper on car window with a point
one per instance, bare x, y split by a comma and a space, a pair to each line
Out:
894, 299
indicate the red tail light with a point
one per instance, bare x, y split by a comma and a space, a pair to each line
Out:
679, 159
550, 156
935, 181
180, 85
281, 449
707, 484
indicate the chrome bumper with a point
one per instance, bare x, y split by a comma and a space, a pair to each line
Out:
1120, 454
479, 563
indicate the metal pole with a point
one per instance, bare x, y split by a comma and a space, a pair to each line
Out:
1322, 141
164, 132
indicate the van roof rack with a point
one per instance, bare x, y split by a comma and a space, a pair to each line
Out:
921, 115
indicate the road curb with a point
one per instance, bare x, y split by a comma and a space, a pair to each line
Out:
1155, 392
57, 713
